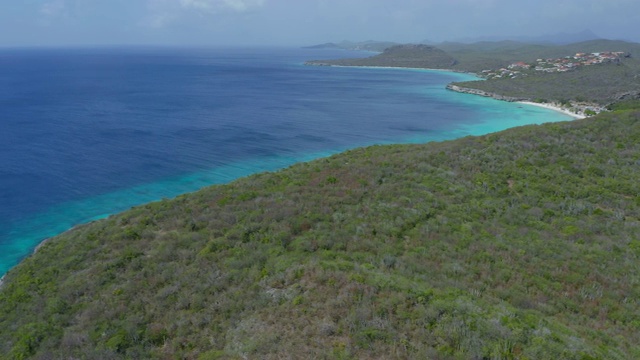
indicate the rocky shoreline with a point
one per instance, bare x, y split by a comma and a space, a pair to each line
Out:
321, 63
577, 110
464, 90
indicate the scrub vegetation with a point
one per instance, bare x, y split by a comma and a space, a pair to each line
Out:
601, 84
494, 55
521, 244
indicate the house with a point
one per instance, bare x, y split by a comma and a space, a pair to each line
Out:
519, 64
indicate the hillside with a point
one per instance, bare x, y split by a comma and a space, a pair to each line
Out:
493, 55
406, 56
599, 84
595, 85
521, 244
477, 56
602, 84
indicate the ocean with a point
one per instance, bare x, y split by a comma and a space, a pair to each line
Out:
88, 132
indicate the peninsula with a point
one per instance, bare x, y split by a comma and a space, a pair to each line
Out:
582, 78
404, 56
370, 45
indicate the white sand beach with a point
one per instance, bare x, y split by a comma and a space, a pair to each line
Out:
554, 107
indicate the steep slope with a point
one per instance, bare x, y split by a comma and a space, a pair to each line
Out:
516, 245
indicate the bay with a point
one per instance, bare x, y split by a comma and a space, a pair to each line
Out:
88, 132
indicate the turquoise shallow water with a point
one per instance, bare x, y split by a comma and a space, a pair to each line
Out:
123, 128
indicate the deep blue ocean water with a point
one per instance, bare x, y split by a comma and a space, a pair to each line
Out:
89, 132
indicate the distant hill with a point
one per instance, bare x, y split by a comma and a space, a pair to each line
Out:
328, 45
493, 55
561, 38
470, 57
408, 56
473, 57
548, 39
370, 45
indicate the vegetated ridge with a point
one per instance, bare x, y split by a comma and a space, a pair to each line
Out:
521, 244
369, 45
405, 56
576, 83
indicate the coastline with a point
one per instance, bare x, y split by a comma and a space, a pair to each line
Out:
45, 240
309, 63
41, 244
550, 106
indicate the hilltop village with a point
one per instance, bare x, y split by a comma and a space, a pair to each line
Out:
564, 64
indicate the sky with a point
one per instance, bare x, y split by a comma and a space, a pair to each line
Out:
303, 22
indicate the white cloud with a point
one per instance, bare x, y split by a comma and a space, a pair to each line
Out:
171, 21
53, 8
215, 6
162, 13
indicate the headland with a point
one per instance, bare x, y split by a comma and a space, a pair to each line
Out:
580, 79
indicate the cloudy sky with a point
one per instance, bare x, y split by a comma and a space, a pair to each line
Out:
302, 22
